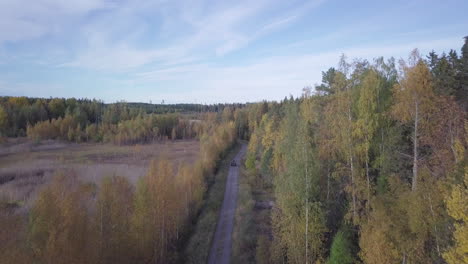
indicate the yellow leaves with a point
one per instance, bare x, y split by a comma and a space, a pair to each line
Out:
459, 150
458, 209
376, 248
339, 82
458, 254
190, 183
3, 119
401, 109
269, 134
457, 204
215, 143
339, 124
18, 101
414, 89
164, 203
227, 114
253, 143
155, 216
114, 208
362, 135
381, 239
59, 223
367, 119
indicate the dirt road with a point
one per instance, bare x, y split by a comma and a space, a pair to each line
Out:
220, 252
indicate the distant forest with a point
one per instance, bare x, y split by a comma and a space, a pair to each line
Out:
79, 120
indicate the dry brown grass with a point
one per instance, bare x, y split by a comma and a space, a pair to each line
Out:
26, 167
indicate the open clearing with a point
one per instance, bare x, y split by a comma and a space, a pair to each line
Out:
25, 167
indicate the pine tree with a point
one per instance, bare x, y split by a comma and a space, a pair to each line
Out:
463, 76
341, 249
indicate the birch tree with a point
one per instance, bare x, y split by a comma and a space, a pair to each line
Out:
367, 121
413, 100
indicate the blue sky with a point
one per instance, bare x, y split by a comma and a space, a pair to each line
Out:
206, 51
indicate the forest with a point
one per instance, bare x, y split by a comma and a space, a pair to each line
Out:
83, 120
370, 166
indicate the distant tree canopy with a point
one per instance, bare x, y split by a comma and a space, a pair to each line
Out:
20, 114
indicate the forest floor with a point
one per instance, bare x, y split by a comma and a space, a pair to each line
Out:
25, 167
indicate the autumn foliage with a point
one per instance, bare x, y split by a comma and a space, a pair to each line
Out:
369, 168
114, 221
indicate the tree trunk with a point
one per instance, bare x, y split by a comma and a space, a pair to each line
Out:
352, 187
381, 150
351, 164
101, 231
415, 149
435, 226
307, 208
452, 144
328, 182
368, 183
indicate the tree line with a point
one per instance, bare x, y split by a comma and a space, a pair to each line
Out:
114, 221
83, 119
371, 165
142, 128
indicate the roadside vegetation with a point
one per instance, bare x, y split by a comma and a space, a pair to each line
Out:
252, 230
198, 247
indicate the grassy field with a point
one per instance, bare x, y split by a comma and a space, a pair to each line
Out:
25, 167
198, 246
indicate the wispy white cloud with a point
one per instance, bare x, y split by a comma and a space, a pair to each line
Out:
210, 31
272, 77
130, 34
25, 20
32, 89
180, 50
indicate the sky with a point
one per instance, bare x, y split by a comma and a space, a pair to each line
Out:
206, 51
